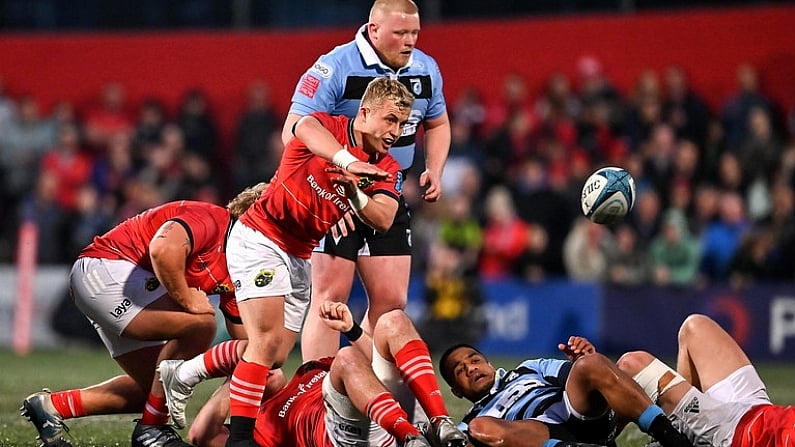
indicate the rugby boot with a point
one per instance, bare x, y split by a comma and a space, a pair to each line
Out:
156, 436
177, 391
447, 433
39, 410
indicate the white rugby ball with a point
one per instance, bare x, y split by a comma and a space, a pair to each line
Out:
608, 195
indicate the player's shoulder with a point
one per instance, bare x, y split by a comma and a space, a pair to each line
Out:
423, 61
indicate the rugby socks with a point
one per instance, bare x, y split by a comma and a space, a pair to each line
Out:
385, 411
246, 388
218, 361
68, 403
654, 422
155, 411
245, 395
416, 369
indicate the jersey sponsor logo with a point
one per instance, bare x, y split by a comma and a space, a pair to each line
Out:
264, 277
151, 284
221, 288
331, 196
365, 182
309, 86
325, 71
122, 308
349, 428
302, 388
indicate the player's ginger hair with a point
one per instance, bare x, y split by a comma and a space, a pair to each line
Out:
383, 89
243, 201
382, 7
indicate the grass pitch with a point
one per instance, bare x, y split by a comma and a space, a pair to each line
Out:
77, 368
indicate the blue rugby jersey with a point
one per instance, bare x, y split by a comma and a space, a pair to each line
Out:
336, 82
524, 392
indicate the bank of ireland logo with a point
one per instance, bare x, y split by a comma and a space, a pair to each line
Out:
264, 277
151, 284
416, 86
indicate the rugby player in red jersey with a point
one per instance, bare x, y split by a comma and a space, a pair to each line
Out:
333, 165
144, 285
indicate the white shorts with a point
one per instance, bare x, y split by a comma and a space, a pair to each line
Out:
345, 425
710, 418
111, 293
259, 268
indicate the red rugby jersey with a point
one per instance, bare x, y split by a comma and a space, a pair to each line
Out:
205, 267
301, 203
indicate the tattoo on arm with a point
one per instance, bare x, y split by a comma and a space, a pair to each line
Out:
161, 233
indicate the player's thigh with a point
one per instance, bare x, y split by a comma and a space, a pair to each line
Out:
164, 319
332, 278
386, 281
140, 365
701, 341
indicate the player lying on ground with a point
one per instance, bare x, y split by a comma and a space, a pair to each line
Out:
551, 402
353, 390
715, 397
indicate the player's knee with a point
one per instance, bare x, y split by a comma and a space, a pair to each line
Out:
393, 322
633, 362
692, 326
592, 368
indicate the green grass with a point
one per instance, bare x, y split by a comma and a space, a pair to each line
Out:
59, 370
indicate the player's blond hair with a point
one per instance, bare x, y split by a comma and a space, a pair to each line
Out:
382, 89
382, 7
243, 201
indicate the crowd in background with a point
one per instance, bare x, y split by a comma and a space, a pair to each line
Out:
715, 186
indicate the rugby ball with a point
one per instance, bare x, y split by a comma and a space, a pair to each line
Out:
608, 195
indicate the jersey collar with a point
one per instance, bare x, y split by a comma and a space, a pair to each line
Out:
369, 55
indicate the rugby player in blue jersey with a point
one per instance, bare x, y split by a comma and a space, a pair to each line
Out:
385, 46
585, 400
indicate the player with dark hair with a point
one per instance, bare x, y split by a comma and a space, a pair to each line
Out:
551, 402
353, 390
144, 286
715, 396
333, 165
384, 47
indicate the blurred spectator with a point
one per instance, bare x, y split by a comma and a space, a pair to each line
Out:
722, 238
163, 168
514, 101
460, 230
198, 126
197, 181
108, 117
737, 109
151, 119
8, 108
23, 141
584, 251
454, 300
645, 218
558, 109
628, 264
705, 208
506, 237
658, 155
541, 199
469, 111
69, 165
254, 160
113, 169
511, 143
730, 174
41, 208
779, 224
90, 217
674, 254
752, 260
596, 91
683, 108
645, 109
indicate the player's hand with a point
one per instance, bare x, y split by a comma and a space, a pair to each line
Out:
432, 185
343, 226
344, 178
362, 168
336, 316
577, 347
198, 303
